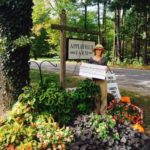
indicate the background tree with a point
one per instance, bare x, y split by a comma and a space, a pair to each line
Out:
15, 25
40, 46
130, 30
143, 7
40, 16
134, 11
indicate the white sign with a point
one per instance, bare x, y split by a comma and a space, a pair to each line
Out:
113, 89
110, 77
93, 71
112, 86
80, 49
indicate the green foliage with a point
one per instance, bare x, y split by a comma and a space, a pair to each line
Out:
40, 13
138, 62
21, 41
118, 4
104, 126
64, 106
29, 122
85, 96
128, 61
2, 44
45, 40
109, 33
96, 131
40, 46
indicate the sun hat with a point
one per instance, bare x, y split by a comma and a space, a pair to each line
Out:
98, 46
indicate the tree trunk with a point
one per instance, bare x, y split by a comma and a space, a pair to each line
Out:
14, 75
145, 38
122, 49
117, 38
5, 95
15, 22
123, 36
135, 37
99, 25
104, 25
139, 39
134, 46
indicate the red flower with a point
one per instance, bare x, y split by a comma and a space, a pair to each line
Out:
115, 117
122, 111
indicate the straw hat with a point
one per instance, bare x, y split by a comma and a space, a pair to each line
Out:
98, 46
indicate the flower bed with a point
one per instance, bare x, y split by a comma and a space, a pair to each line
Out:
124, 111
30, 125
93, 132
23, 129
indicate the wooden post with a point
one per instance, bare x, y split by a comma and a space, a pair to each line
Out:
63, 28
63, 21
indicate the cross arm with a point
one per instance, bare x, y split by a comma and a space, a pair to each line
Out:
73, 29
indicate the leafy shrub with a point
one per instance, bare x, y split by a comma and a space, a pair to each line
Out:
63, 105
25, 128
93, 132
129, 61
52, 100
84, 97
137, 62
104, 126
29, 124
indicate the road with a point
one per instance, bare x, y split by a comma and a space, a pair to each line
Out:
128, 79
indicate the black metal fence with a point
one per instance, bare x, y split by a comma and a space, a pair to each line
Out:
39, 65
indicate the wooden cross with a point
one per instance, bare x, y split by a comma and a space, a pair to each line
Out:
73, 29
63, 28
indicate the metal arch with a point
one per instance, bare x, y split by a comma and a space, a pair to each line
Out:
40, 68
54, 65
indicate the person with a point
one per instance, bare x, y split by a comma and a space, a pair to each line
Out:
101, 102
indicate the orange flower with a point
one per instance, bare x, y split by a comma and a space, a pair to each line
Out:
138, 127
33, 125
10, 147
125, 99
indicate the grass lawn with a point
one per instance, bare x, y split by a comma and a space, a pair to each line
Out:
73, 81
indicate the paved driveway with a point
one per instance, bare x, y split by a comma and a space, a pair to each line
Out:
134, 80
129, 79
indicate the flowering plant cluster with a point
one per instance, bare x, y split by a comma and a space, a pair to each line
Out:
104, 126
25, 129
123, 111
51, 136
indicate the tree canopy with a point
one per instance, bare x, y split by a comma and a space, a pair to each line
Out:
122, 24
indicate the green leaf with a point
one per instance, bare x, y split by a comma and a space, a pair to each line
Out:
13, 138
